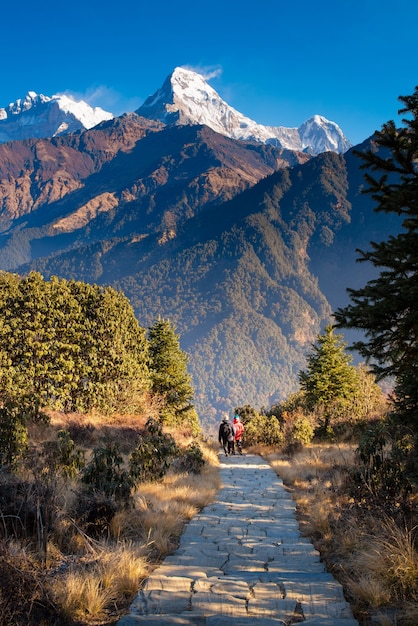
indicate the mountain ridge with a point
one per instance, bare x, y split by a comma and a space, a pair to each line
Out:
244, 246
184, 98
239, 280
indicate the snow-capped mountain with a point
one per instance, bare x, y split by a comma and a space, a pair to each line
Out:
186, 98
37, 116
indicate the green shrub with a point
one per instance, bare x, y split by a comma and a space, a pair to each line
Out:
106, 475
263, 430
153, 453
191, 460
13, 436
302, 431
63, 456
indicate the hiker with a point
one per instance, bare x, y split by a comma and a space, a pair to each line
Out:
239, 431
226, 436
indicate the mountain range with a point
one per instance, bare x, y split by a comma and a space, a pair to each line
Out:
247, 245
184, 98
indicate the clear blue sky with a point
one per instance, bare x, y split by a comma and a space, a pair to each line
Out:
278, 61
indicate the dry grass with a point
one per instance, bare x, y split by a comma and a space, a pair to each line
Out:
87, 580
372, 555
82, 596
89, 588
161, 509
389, 556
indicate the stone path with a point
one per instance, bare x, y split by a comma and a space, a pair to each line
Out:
242, 561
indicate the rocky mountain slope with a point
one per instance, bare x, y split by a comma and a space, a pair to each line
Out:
126, 177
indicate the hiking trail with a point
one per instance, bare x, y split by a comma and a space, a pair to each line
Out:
242, 560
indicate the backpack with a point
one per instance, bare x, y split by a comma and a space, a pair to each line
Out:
226, 430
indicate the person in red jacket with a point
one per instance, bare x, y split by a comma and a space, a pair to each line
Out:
239, 431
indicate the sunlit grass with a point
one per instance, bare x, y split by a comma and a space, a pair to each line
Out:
81, 595
390, 557
372, 555
161, 509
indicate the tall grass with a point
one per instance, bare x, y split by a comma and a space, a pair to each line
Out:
86, 593
161, 509
90, 576
389, 557
373, 555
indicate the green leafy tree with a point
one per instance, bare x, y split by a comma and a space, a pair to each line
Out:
368, 399
329, 379
386, 308
25, 336
71, 346
113, 352
170, 378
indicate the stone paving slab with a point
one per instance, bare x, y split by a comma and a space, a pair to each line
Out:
243, 562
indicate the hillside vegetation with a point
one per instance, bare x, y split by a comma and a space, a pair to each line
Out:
89, 509
237, 278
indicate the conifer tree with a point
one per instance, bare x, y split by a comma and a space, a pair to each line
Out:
329, 379
169, 375
386, 309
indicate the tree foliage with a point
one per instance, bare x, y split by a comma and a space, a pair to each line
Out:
69, 345
386, 307
169, 375
329, 380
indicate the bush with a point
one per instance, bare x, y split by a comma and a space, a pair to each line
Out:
63, 456
95, 513
153, 454
382, 478
192, 460
105, 475
13, 436
302, 431
263, 430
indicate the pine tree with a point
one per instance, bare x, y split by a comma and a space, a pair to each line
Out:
386, 309
329, 380
170, 378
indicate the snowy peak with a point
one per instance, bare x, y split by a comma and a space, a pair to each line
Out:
186, 98
37, 116
321, 135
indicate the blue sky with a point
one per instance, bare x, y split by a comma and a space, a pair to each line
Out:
276, 61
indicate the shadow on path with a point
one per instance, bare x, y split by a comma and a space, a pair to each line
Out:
241, 561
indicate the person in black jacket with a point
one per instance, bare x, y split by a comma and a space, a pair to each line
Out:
226, 435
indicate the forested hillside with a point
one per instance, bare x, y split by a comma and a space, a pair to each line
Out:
246, 283
246, 248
